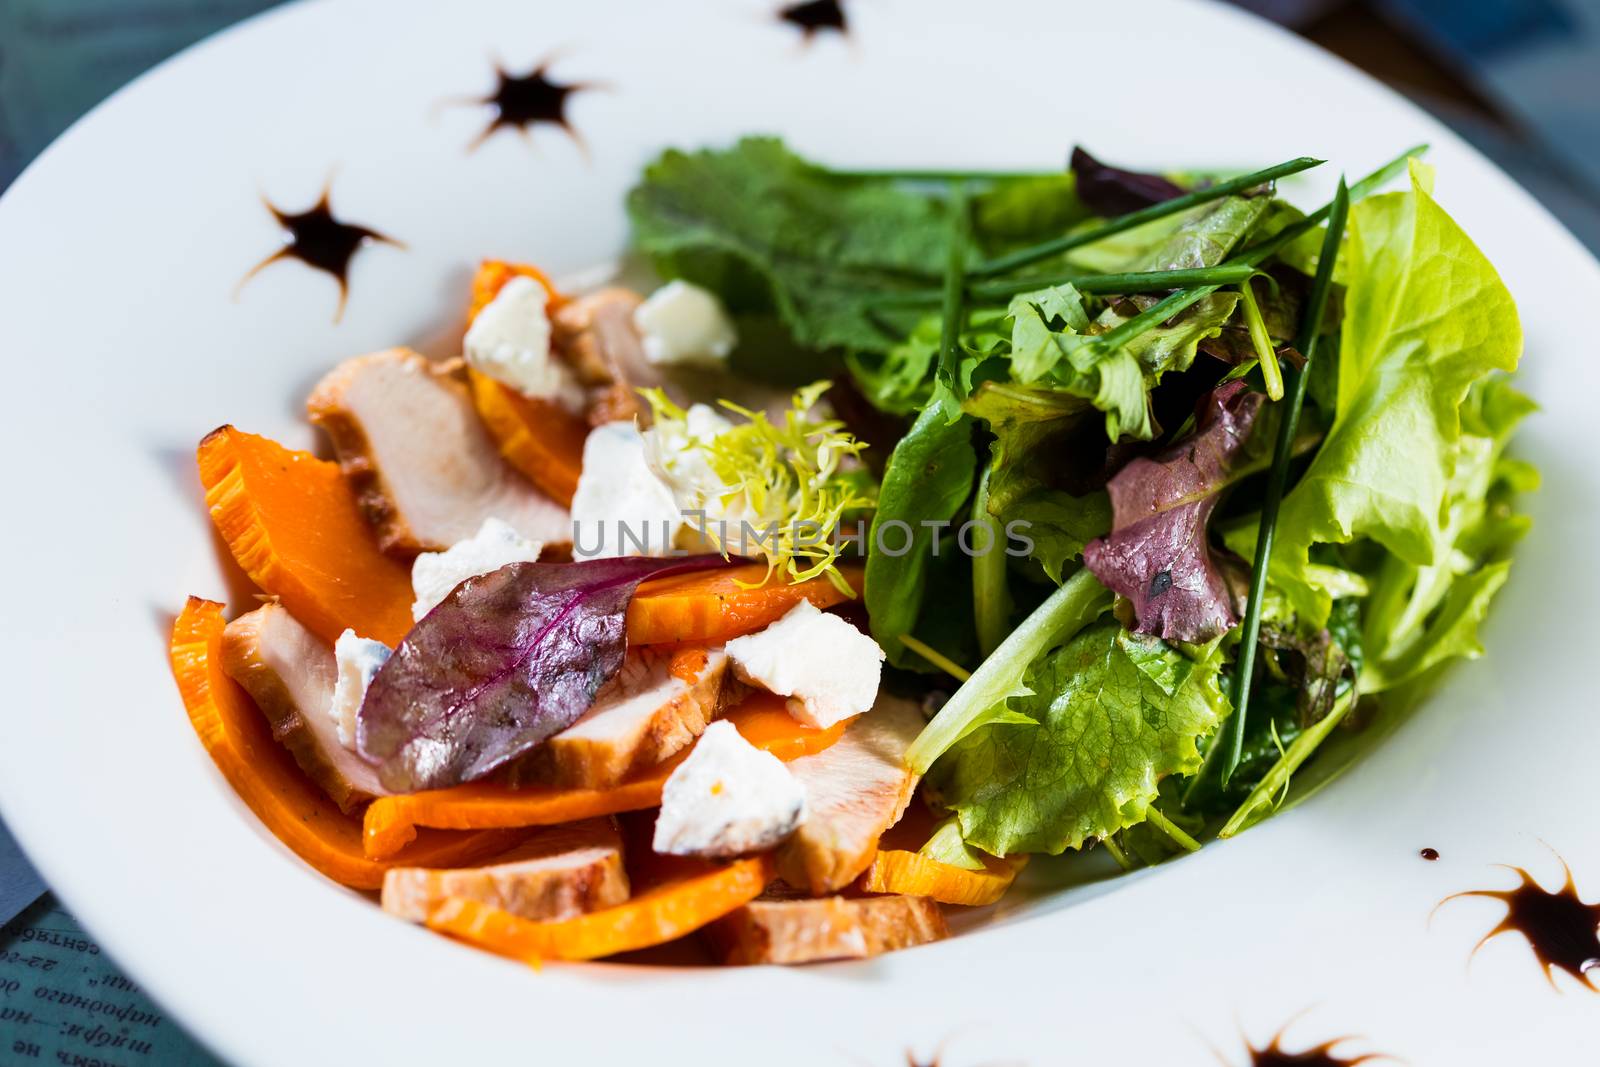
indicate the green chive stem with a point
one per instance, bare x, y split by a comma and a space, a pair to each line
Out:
1069, 609
951, 317
935, 657
991, 602
1277, 778
1148, 281
1266, 355
1277, 481
1116, 853
1172, 830
1033, 254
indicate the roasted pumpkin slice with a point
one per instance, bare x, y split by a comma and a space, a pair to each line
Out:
291, 521
261, 771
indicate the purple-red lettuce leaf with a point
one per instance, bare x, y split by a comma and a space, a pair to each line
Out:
509, 659
1157, 554
1113, 191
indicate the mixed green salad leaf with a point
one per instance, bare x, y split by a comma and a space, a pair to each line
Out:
1104, 375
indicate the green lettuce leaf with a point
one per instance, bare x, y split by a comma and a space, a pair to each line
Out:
1026, 461
764, 229
1116, 713
1027, 210
1425, 316
900, 380
1207, 234
1200, 237
1418, 617
928, 477
1037, 319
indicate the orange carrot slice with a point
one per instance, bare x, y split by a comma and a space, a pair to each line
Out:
264, 775
712, 606
765, 722
914, 875
392, 821
541, 439
291, 521
494, 273
654, 917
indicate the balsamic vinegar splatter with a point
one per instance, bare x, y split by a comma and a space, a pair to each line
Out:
1429, 854
1323, 1055
522, 101
814, 16
322, 242
1562, 930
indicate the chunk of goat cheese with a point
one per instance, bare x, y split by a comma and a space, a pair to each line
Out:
676, 453
683, 324
727, 798
621, 507
435, 574
827, 668
357, 659
509, 340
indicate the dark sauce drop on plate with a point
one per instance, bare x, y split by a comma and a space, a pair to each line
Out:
523, 101
1429, 854
1562, 930
814, 16
1323, 1055
320, 241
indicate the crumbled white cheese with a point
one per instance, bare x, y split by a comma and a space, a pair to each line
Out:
702, 498
435, 574
358, 660
685, 324
621, 508
509, 340
829, 669
727, 798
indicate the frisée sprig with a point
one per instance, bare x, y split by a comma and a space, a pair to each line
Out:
777, 490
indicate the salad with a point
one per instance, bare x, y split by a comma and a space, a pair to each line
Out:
912, 525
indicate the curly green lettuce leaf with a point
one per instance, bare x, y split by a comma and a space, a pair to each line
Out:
764, 229
1425, 317
1116, 714
1037, 319
1118, 380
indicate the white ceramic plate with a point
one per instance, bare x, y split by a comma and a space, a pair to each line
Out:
119, 252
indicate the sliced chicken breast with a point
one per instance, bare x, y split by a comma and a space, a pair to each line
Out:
596, 336
657, 704
425, 471
559, 873
855, 790
829, 928
291, 673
